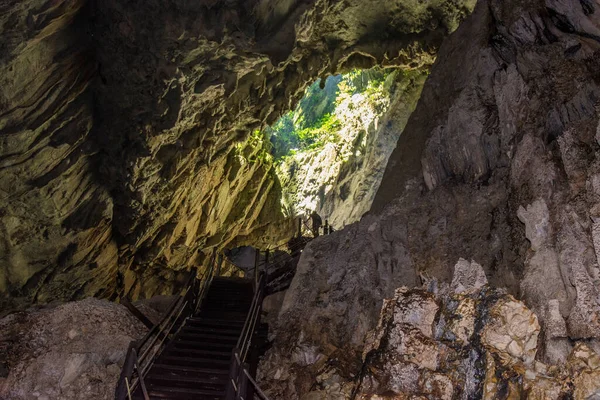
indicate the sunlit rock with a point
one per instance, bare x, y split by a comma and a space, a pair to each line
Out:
585, 368
338, 175
512, 332
128, 130
463, 326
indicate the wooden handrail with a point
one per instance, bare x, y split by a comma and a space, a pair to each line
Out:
151, 346
137, 313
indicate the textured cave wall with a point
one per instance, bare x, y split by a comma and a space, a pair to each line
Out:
356, 185
339, 179
120, 124
512, 106
56, 220
499, 163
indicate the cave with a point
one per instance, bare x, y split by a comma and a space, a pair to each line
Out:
142, 142
330, 152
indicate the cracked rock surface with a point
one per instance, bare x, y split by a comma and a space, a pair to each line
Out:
415, 352
499, 163
71, 351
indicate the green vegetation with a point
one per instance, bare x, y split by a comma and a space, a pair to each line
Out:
314, 122
327, 135
256, 149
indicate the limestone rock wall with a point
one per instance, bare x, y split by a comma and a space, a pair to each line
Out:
521, 117
119, 124
340, 180
463, 340
359, 177
56, 219
498, 163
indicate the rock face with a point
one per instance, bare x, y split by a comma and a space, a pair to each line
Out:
499, 164
356, 184
520, 116
73, 351
476, 343
124, 126
340, 180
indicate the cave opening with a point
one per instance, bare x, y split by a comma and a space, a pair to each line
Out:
134, 154
330, 151
328, 154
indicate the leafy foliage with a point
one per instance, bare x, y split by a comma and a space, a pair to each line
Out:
314, 122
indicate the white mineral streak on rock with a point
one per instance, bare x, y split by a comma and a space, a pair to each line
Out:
536, 218
556, 326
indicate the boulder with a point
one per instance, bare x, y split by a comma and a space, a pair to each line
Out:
71, 351
512, 332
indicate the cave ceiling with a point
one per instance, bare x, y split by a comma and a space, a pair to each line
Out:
120, 122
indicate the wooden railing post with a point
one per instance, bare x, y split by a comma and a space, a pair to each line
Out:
137, 313
243, 383
143, 386
232, 382
126, 372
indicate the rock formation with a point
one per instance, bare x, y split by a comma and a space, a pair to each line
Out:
356, 185
340, 179
71, 351
126, 155
459, 341
499, 164
521, 121
121, 126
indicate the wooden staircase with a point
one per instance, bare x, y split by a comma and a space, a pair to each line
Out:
206, 347
196, 362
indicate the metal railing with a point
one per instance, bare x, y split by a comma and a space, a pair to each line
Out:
273, 262
241, 385
142, 354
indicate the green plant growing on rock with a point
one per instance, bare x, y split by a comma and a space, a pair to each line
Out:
327, 129
257, 148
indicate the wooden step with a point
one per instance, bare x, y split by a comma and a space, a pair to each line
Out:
198, 344
222, 315
195, 362
221, 355
217, 382
212, 330
159, 367
192, 336
181, 393
214, 322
